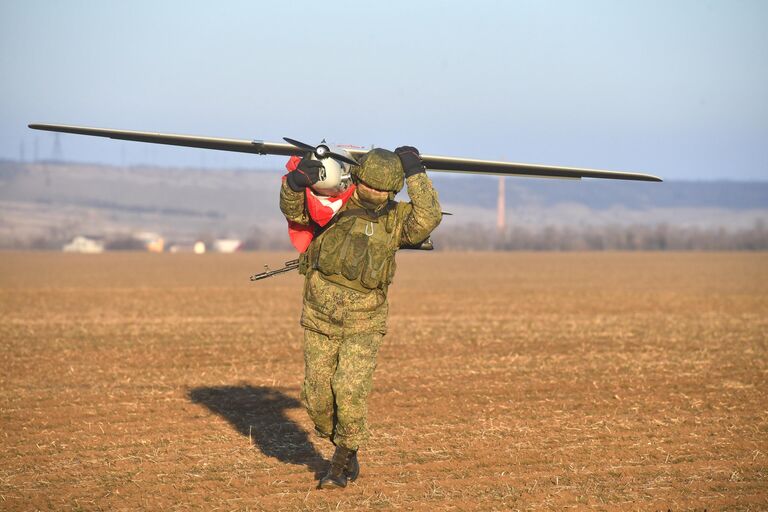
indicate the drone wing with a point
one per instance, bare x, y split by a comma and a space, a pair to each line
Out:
499, 168
468, 165
258, 147
432, 162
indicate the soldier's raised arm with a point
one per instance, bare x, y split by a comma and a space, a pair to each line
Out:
292, 204
292, 191
424, 213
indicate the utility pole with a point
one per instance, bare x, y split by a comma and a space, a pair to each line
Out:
501, 213
57, 155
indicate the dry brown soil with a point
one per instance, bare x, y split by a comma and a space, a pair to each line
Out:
507, 381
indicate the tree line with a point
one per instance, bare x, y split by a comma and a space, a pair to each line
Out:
659, 237
476, 237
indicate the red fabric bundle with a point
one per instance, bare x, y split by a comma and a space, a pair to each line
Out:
321, 211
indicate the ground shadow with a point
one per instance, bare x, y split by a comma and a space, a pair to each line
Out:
259, 413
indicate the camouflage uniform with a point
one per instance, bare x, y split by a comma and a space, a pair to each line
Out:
348, 267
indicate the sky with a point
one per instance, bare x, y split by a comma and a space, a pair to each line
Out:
676, 89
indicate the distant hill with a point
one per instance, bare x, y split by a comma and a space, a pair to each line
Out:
603, 194
53, 201
538, 203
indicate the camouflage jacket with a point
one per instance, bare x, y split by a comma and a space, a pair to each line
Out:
406, 224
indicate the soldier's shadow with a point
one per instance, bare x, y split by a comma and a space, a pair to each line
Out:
259, 413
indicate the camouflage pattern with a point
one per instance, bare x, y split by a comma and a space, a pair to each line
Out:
292, 204
337, 382
422, 215
381, 169
352, 383
344, 327
357, 252
339, 311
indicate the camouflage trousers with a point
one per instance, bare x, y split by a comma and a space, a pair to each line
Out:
343, 330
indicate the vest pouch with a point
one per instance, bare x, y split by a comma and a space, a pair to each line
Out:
329, 257
308, 259
380, 261
353, 257
304, 262
375, 265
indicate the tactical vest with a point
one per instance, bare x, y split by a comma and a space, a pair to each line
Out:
356, 249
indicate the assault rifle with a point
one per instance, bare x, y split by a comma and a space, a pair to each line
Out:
289, 265
426, 245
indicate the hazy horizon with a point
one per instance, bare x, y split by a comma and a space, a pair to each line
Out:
278, 167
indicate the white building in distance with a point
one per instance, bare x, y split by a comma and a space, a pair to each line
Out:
84, 244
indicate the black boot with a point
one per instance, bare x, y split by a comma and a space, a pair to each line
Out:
353, 468
338, 473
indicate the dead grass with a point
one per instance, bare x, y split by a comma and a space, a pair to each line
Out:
507, 381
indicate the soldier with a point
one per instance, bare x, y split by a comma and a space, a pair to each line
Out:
349, 265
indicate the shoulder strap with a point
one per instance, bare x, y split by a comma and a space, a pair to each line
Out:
365, 212
358, 212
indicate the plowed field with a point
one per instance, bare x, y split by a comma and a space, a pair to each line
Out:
507, 381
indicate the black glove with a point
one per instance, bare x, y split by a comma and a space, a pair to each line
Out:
307, 173
411, 160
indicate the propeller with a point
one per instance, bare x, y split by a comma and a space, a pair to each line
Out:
321, 151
